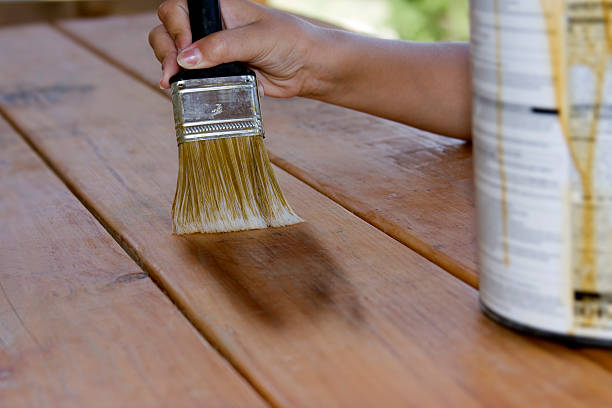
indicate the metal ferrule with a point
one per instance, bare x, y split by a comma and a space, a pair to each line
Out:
216, 108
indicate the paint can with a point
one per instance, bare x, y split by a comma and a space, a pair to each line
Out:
542, 129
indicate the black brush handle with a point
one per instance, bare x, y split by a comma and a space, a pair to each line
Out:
205, 19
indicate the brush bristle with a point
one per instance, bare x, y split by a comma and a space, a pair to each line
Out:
227, 185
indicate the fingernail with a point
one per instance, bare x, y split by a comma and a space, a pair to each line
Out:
189, 57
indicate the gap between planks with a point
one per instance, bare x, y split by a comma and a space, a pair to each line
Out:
444, 261
144, 265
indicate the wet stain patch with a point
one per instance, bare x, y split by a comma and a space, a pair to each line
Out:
27, 96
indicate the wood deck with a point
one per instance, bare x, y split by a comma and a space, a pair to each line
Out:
371, 302
80, 323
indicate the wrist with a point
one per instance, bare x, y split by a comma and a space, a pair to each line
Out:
326, 65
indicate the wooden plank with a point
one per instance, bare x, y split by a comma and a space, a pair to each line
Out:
332, 312
80, 323
415, 186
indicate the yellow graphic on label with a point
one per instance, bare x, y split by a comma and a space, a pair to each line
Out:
579, 43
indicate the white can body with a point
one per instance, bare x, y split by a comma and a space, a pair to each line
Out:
542, 128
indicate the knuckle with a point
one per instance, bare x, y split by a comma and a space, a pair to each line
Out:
217, 48
164, 10
152, 35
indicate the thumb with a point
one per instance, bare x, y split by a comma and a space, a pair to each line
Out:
238, 44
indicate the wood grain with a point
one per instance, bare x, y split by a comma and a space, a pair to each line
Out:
80, 323
332, 312
415, 186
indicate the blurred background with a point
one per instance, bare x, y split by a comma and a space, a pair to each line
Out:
418, 20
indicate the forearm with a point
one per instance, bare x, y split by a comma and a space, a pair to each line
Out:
425, 85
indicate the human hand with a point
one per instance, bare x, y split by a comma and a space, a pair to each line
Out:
279, 47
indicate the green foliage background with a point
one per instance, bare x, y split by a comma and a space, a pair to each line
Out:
430, 20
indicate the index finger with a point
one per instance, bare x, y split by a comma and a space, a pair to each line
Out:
174, 15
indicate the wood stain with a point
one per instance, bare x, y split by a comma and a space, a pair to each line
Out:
542, 78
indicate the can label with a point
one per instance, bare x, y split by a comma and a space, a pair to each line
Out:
542, 84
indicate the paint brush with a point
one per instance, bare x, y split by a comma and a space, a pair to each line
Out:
225, 179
